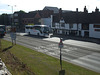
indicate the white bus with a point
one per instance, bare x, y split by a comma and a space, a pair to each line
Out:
40, 30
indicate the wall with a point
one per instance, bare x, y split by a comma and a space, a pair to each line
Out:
79, 26
79, 29
74, 27
67, 26
46, 21
93, 31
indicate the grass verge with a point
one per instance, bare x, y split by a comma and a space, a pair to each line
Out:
24, 61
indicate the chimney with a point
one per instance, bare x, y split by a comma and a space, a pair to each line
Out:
85, 10
60, 13
96, 10
76, 9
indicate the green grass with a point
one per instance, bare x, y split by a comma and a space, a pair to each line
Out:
38, 63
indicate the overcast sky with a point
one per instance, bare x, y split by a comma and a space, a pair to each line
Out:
31, 5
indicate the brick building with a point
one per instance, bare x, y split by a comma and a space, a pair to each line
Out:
34, 17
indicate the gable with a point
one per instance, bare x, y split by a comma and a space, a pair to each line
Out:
37, 15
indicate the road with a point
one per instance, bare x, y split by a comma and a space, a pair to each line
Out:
81, 56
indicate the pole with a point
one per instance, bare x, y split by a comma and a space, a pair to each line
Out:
61, 72
0, 45
60, 59
12, 16
12, 25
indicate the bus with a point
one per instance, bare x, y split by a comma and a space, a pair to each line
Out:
40, 30
2, 30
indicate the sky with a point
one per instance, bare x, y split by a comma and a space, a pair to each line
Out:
32, 5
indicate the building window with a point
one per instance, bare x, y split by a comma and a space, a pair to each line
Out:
96, 26
85, 26
53, 24
97, 30
71, 25
62, 24
15, 20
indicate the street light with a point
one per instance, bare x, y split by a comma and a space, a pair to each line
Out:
13, 30
12, 14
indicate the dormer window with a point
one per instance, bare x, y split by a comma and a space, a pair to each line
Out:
62, 22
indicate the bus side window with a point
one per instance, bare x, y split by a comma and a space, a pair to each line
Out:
26, 27
33, 27
38, 28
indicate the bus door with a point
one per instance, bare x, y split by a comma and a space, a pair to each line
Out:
27, 29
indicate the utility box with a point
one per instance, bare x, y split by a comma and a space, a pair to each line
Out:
62, 72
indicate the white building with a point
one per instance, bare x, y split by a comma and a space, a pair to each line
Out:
80, 29
82, 24
94, 30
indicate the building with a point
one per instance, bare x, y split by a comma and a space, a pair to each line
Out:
46, 15
21, 19
77, 23
17, 18
32, 18
54, 9
74, 23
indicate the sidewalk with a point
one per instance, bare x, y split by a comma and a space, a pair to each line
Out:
90, 43
21, 34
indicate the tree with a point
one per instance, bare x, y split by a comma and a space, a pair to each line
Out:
21, 11
4, 19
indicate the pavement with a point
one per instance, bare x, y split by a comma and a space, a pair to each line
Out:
91, 43
22, 34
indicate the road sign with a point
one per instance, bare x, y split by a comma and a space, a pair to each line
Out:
60, 43
13, 36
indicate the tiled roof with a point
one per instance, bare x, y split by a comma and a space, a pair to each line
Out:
78, 17
55, 9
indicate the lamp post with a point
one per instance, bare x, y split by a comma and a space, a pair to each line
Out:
12, 15
13, 29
